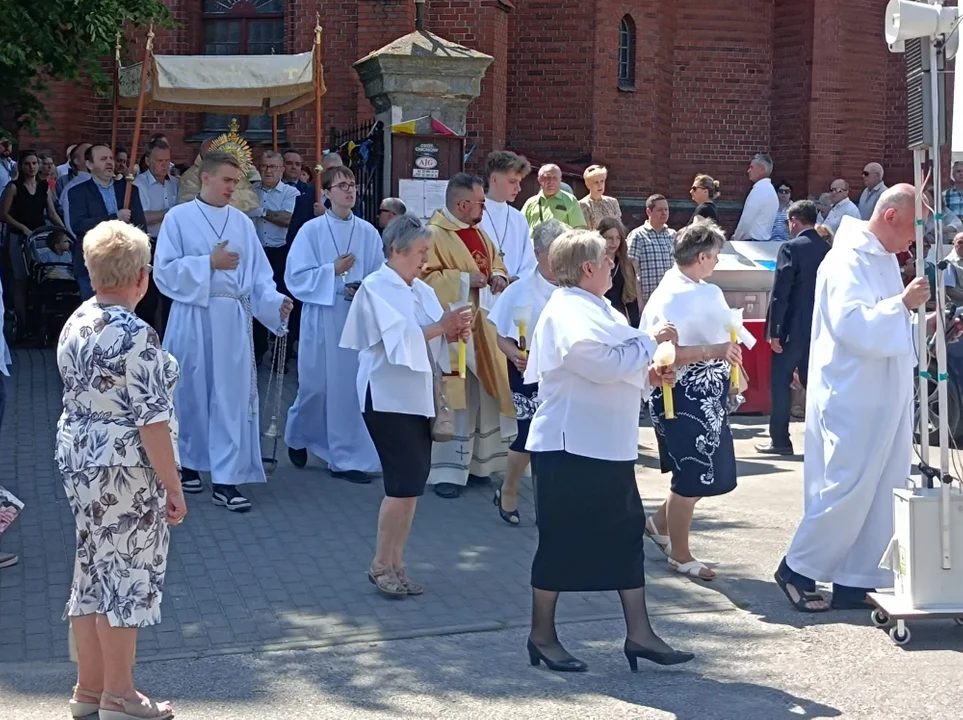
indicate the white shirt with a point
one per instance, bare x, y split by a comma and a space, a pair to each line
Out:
843, 208
63, 168
156, 196
868, 199
593, 368
532, 292
758, 212
508, 230
384, 325
280, 198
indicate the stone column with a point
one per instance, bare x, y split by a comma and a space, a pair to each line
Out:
421, 74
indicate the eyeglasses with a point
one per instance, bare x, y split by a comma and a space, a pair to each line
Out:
475, 202
837, 190
866, 173
694, 188
784, 191
148, 269
345, 186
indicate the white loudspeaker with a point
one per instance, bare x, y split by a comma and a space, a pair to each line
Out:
906, 20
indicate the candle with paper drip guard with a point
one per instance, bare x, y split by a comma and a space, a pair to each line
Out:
665, 357
464, 291
522, 317
273, 398
735, 325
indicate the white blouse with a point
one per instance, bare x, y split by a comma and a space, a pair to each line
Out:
533, 291
593, 369
384, 325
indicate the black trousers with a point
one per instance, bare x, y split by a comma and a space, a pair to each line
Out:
149, 308
794, 355
278, 258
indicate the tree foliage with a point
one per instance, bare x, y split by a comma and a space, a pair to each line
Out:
45, 40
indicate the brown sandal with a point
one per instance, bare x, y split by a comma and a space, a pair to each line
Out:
412, 588
134, 710
387, 582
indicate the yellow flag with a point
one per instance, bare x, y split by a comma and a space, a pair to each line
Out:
351, 147
408, 128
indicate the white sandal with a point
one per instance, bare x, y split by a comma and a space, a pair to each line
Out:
661, 541
134, 710
79, 709
692, 569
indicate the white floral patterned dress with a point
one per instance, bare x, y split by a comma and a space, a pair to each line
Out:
116, 378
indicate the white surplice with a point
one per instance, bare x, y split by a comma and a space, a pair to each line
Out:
325, 417
592, 368
858, 413
508, 230
533, 291
209, 332
385, 325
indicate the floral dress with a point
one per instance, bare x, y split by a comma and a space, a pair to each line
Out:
116, 379
696, 446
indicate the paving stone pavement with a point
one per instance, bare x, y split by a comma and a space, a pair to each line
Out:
290, 573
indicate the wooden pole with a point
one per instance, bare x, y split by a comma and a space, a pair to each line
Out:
116, 106
317, 107
274, 131
134, 149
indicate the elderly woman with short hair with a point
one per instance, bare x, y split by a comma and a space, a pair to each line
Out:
117, 451
530, 294
695, 445
596, 206
400, 331
592, 368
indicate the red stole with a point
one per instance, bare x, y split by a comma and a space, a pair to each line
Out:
475, 243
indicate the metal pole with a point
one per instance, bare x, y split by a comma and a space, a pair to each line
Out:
140, 116
115, 110
935, 79
317, 107
922, 347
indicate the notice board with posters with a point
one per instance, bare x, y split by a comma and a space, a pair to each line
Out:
425, 157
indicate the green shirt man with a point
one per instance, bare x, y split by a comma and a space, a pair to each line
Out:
552, 202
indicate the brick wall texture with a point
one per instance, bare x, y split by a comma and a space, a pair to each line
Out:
809, 81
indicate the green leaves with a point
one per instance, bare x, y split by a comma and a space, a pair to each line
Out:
73, 40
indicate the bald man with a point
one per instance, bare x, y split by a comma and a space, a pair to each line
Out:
842, 206
873, 190
859, 428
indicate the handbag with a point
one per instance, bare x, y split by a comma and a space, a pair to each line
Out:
443, 424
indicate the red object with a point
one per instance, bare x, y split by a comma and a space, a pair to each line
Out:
757, 363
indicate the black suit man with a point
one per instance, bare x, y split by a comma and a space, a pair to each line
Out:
790, 317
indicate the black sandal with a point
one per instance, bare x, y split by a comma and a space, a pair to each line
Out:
804, 597
512, 518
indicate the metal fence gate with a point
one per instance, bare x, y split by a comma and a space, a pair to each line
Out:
362, 148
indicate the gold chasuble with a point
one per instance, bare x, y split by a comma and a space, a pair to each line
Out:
448, 259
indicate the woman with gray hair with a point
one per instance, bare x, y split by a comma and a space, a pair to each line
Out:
400, 331
521, 304
696, 444
117, 451
592, 368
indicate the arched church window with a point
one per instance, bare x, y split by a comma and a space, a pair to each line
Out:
627, 53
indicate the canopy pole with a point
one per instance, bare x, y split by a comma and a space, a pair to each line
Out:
134, 149
317, 106
115, 110
274, 131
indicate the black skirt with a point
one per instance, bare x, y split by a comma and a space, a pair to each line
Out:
403, 443
591, 525
696, 446
525, 400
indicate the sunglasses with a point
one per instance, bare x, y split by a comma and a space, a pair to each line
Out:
784, 192
865, 173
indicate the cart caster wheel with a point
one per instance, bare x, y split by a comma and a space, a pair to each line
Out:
880, 619
899, 638
958, 621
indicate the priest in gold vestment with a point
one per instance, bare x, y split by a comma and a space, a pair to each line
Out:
484, 413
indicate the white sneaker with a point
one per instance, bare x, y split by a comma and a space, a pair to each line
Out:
8, 560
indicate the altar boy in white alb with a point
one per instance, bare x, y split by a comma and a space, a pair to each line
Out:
329, 258
210, 264
859, 409
505, 225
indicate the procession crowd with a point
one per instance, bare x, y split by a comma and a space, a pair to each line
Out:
445, 353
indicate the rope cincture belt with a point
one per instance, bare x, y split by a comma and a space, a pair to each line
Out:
245, 301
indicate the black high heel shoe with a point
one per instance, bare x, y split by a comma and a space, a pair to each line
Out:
634, 651
512, 518
570, 665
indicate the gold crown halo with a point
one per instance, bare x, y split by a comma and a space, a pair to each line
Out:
232, 142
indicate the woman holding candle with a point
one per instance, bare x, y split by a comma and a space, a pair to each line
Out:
526, 296
696, 445
592, 368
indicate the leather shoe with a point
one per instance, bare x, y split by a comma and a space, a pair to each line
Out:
353, 476
479, 480
773, 450
298, 457
449, 491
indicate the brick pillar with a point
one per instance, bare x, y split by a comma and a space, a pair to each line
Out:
380, 22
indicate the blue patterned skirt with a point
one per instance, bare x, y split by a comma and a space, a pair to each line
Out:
696, 446
525, 400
